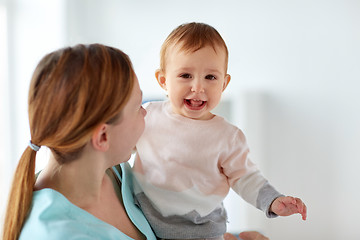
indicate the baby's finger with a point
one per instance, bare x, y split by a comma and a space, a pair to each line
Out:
304, 212
289, 200
301, 208
299, 204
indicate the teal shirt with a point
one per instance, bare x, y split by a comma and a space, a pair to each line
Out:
52, 216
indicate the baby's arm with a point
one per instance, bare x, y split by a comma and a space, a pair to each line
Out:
286, 206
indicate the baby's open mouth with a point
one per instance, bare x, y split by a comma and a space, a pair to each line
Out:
194, 103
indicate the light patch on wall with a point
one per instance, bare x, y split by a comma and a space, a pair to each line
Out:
4, 112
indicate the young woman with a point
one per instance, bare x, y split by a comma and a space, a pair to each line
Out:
85, 106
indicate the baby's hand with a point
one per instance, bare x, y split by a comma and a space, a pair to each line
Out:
286, 206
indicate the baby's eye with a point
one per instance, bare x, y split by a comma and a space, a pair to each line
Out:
185, 75
210, 77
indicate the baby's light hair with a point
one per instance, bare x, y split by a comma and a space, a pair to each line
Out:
192, 37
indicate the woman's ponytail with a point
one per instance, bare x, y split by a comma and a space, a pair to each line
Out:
20, 195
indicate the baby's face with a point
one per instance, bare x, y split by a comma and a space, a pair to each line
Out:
195, 81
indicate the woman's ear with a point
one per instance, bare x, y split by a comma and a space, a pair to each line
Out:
160, 77
100, 138
226, 81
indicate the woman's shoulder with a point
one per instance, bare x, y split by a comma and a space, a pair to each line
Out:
52, 216
49, 217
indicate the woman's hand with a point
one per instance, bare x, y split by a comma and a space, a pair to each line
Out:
248, 235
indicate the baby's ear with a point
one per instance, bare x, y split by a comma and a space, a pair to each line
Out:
226, 81
160, 77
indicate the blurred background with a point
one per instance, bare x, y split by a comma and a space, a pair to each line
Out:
295, 67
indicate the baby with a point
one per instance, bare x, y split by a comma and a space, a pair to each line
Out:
188, 158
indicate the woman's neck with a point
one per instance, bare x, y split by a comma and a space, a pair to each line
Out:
85, 183
81, 181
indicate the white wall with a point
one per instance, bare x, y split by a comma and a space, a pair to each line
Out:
4, 109
298, 61
29, 30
